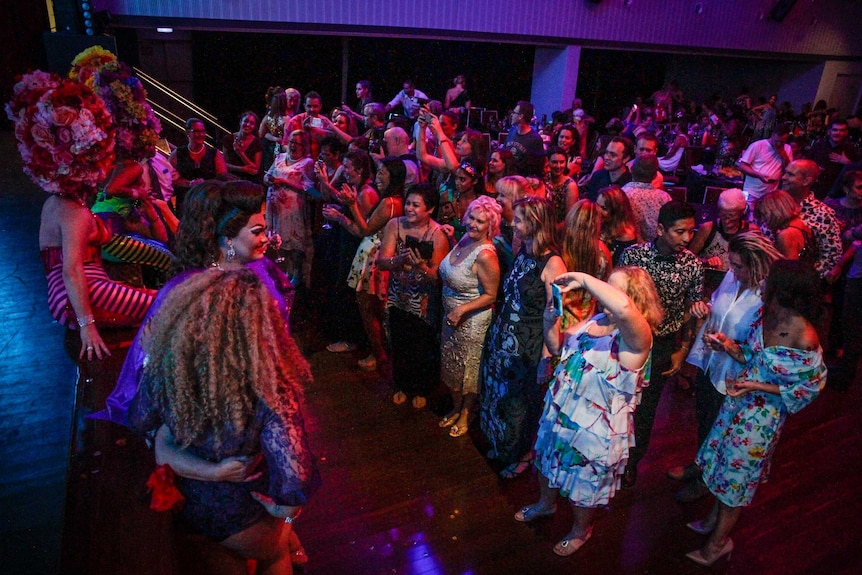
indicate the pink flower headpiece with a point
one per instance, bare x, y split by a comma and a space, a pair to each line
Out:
65, 133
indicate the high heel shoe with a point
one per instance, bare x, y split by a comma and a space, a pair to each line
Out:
701, 558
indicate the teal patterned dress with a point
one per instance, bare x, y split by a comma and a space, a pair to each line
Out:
587, 426
736, 454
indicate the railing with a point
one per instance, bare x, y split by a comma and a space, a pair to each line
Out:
173, 109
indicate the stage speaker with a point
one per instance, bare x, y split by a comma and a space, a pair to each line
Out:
781, 9
61, 48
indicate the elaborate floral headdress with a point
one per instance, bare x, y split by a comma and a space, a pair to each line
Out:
137, 126
65, 133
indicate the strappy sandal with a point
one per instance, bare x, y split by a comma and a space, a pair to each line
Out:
516, 469
449, 420
459, 430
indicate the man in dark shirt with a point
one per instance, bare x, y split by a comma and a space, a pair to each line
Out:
524, 143
832, 153
678, 277
617, 154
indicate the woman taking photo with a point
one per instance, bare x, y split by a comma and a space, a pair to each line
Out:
243, 150
212, 400
783, 372
471, 277
412, 248
511, 396
588, 422
365, 277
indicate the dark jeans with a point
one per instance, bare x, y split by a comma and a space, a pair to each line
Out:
707, 404
662, 349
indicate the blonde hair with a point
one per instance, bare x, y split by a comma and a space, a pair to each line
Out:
776, 209
642, 291
513, 186
215, 348
757, 253
492, 210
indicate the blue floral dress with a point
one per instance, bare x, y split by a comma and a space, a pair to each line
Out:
587, 425
736, 454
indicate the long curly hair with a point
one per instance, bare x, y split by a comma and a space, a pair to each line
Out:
641, 289
211, 210
757, 253
215, 348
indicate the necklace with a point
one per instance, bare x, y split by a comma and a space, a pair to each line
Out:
463, 247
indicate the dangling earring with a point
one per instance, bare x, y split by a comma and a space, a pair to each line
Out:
231, 253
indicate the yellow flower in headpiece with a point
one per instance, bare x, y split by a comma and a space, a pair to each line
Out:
88, 63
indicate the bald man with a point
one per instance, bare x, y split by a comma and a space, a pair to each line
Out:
397, 145
799, 176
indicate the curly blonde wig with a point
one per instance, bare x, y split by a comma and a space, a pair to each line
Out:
215, 348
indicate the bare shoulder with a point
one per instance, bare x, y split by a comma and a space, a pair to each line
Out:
806, 337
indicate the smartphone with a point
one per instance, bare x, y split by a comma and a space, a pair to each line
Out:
425, 249
315, 122
557, 300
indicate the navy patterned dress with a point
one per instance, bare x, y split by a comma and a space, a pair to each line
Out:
511, 398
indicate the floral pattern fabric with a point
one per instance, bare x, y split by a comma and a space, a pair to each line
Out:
587, 425
678, 279
735, 458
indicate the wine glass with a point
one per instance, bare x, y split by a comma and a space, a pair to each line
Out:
327, 223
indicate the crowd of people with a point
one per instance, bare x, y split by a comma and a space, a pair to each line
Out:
551, 293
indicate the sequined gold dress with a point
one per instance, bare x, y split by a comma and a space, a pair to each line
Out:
461, 346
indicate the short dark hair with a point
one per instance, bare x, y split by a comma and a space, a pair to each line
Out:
647, 137
674, 211
644, 168
335, 145
527, 110
427, 192
313, 95
555, 150
628, 145
838, 121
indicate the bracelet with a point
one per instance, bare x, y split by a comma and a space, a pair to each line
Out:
86, 320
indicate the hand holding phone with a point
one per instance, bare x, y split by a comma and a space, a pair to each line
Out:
315, 122
557, 300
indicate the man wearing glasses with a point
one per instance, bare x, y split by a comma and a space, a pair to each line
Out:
524, 143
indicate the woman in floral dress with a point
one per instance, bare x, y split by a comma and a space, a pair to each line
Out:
587, 425
783, 373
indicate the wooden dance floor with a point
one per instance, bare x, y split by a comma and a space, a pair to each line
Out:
399, 496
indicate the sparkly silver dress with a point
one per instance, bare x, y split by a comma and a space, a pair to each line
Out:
461, 347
